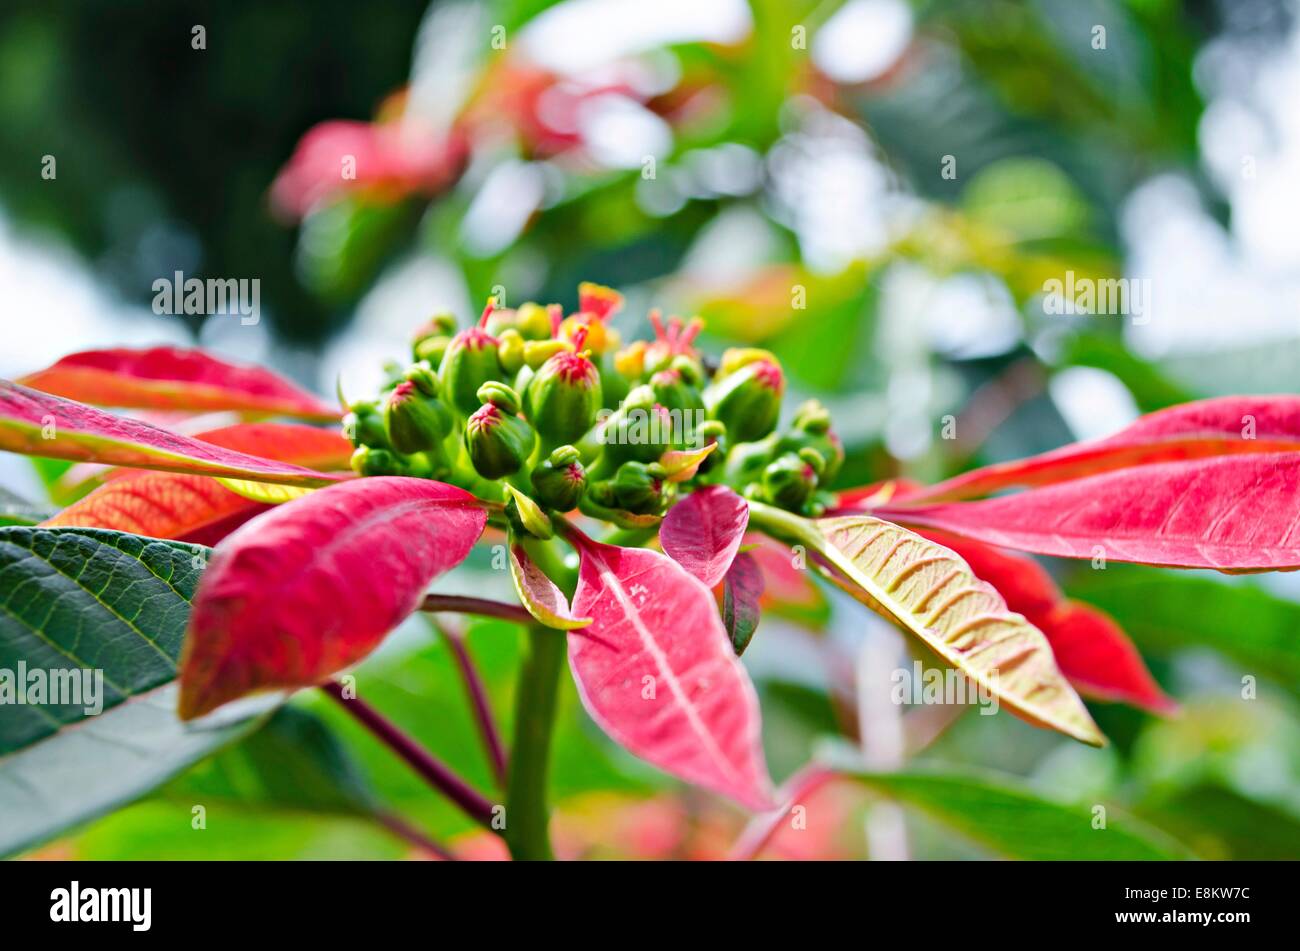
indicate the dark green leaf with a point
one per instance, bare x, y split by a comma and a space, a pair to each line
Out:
1014, 823
78, 605
295, 762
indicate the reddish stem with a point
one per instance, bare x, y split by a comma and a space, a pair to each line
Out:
437, 773
413, 836
478, 698
460, 604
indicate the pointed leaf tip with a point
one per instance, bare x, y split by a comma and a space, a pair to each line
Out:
39, 424
931, 592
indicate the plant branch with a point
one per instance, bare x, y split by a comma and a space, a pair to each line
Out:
412, 836
478, 699
528, 813
461, 604
438, 774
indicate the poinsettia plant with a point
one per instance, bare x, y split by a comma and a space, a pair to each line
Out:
626, 485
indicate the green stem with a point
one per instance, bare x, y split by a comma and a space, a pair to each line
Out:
631, 537
528, 813
784, 526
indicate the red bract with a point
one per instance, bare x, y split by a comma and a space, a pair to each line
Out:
702, 533
1092, 651
180, 505
309, 588
656, 670
46, 425
1099, 659
1231, 513
388, 161
1231, 424
173, 378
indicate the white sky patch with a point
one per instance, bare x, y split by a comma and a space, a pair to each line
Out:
1220, 289
971, 316
862, 39
731, 248
827, 185
622, 133
405, 296
1093, 402
54, 305
581, 34
508, 197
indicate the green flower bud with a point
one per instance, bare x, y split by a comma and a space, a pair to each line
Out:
811, 429
499, 442
641, 430
537, 352
470, 361
560, 481
712, 431
432, 349
737, 358
534, 322
747, 460
673, 390
368, 461
510, 350
438, 327
748, 401
563, 397
425, 378
636, 487
364, 425
415, 422
790, 481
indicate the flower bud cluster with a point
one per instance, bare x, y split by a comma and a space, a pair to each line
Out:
548, 412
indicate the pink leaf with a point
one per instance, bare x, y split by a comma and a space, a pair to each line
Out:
657, 672
1230, 513
312, 586
1230, 424
175, 378
702, 532
42, 425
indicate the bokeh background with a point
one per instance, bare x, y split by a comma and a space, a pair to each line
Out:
876, 190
